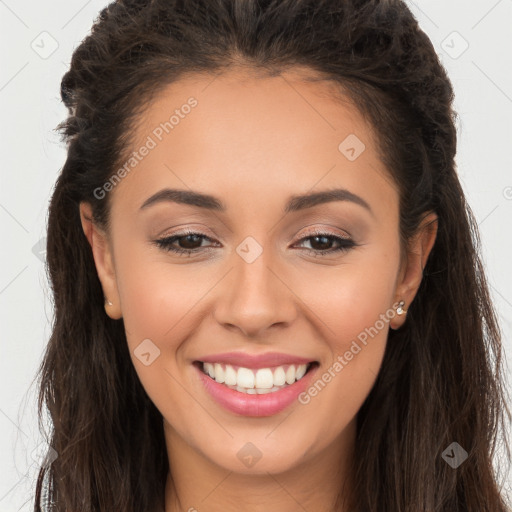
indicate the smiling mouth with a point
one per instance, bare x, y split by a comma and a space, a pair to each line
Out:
255, 381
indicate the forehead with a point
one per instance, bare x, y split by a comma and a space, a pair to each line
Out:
294, 105
243, 131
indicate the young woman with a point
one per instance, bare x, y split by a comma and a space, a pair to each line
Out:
267, 282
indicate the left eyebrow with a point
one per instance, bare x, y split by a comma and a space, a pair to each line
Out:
301, 202
294, 204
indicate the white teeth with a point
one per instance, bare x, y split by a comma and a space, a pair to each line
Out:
219, 373
261, 381
279, 376
229, 376
264, 379
245, 378
209, 369
290, 374
300, 372
264, 391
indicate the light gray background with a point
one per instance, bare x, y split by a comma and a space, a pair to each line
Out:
37, 42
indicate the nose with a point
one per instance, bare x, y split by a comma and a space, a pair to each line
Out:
254, 297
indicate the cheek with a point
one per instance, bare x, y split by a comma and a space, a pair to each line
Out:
350, 298
158, 302
353, 309
156, 295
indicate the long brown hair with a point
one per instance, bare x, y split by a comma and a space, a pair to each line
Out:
441, 379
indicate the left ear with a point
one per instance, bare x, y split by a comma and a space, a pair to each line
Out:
411, 273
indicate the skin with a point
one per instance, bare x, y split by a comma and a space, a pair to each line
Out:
253, 142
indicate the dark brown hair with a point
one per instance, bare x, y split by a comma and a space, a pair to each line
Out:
441, 379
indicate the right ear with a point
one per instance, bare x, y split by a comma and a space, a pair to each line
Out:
103, 259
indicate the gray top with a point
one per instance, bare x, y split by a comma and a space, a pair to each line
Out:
46, 504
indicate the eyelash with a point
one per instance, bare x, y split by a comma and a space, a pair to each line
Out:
166, 243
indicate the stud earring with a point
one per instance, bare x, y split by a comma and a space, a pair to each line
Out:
400, 309
107, 302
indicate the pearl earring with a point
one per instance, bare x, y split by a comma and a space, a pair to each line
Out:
400, 309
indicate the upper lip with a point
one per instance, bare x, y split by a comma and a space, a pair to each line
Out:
266, 360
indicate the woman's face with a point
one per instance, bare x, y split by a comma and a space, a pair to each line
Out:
242, 149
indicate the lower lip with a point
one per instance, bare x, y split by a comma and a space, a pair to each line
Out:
255, 405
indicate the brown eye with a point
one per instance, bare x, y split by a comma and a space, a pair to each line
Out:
188, 243
321, 243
